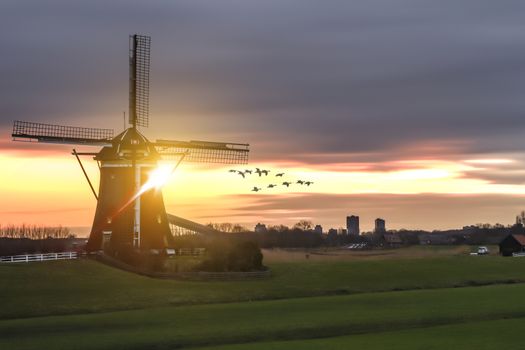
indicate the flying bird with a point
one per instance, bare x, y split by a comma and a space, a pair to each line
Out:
232, 171
308, 183
301, 182
265, 172
241, 173
256, 189
248, 171
258, 171
279, 175
271, 186
287, 184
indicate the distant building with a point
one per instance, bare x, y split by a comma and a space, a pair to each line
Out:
352, 225
318, 229
380, 226
391, 240
260, 228
342, 231
512, 244
332, 238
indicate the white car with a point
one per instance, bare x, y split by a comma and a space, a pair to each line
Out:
483, 251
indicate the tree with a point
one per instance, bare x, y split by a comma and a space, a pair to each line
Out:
278, 228
304, 225
520, 218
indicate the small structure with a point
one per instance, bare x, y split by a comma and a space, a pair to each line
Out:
512, 244
260, 228
318, 229
391, 240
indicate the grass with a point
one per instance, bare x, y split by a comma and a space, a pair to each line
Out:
484, 335
263, 321
86, 286
343, 302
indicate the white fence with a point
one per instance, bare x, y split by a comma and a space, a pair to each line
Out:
38, 257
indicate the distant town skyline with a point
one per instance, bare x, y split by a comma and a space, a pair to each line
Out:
406, 110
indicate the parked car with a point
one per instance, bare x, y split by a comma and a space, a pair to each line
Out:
483, 251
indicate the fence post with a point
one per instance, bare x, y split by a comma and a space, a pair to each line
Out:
27, 258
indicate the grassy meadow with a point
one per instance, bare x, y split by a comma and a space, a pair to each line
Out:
413, 298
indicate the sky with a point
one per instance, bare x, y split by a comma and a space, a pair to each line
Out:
409, 110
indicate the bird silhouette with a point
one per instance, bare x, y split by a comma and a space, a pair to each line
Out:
232, 171
271, 186
248, 171
301, 182
241, 173
287, 184
256, 189
308, 183
279, 175
258, 171
265, 172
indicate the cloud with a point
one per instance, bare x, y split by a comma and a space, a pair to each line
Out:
376, 79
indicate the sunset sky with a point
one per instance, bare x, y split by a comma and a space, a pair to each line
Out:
409, 110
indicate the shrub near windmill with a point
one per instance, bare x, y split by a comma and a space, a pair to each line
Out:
130, 213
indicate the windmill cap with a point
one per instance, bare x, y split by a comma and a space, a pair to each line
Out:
128, 144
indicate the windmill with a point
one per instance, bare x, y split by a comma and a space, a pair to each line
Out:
128, 214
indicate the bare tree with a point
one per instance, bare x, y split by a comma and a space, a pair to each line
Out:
305, 225
34, 231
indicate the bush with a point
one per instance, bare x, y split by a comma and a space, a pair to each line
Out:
140, 259
245, 256
225, 256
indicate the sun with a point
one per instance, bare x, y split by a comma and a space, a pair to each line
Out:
158, 177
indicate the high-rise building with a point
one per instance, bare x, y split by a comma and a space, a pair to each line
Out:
352, 225
318, 229
380, 226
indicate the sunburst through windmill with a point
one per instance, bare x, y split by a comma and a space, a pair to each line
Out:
130, 213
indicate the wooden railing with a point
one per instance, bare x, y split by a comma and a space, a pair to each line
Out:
38, 257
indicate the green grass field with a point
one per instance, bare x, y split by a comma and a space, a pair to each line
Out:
443, 298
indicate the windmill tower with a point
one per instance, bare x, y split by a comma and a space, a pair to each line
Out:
128, 213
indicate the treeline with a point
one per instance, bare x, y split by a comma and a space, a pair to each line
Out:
227, 227
302, 235
35, 232
289, 238
17, 246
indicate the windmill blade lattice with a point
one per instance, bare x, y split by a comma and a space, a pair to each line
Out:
51, 133
139, 56
204, 151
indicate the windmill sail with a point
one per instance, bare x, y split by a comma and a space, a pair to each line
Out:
51, 133
139, 62
204, 151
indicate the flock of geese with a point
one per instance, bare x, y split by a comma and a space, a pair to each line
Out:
264, 172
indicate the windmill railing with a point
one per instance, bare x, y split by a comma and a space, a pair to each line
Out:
186, 225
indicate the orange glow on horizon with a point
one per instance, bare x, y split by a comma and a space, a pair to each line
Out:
51, 189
